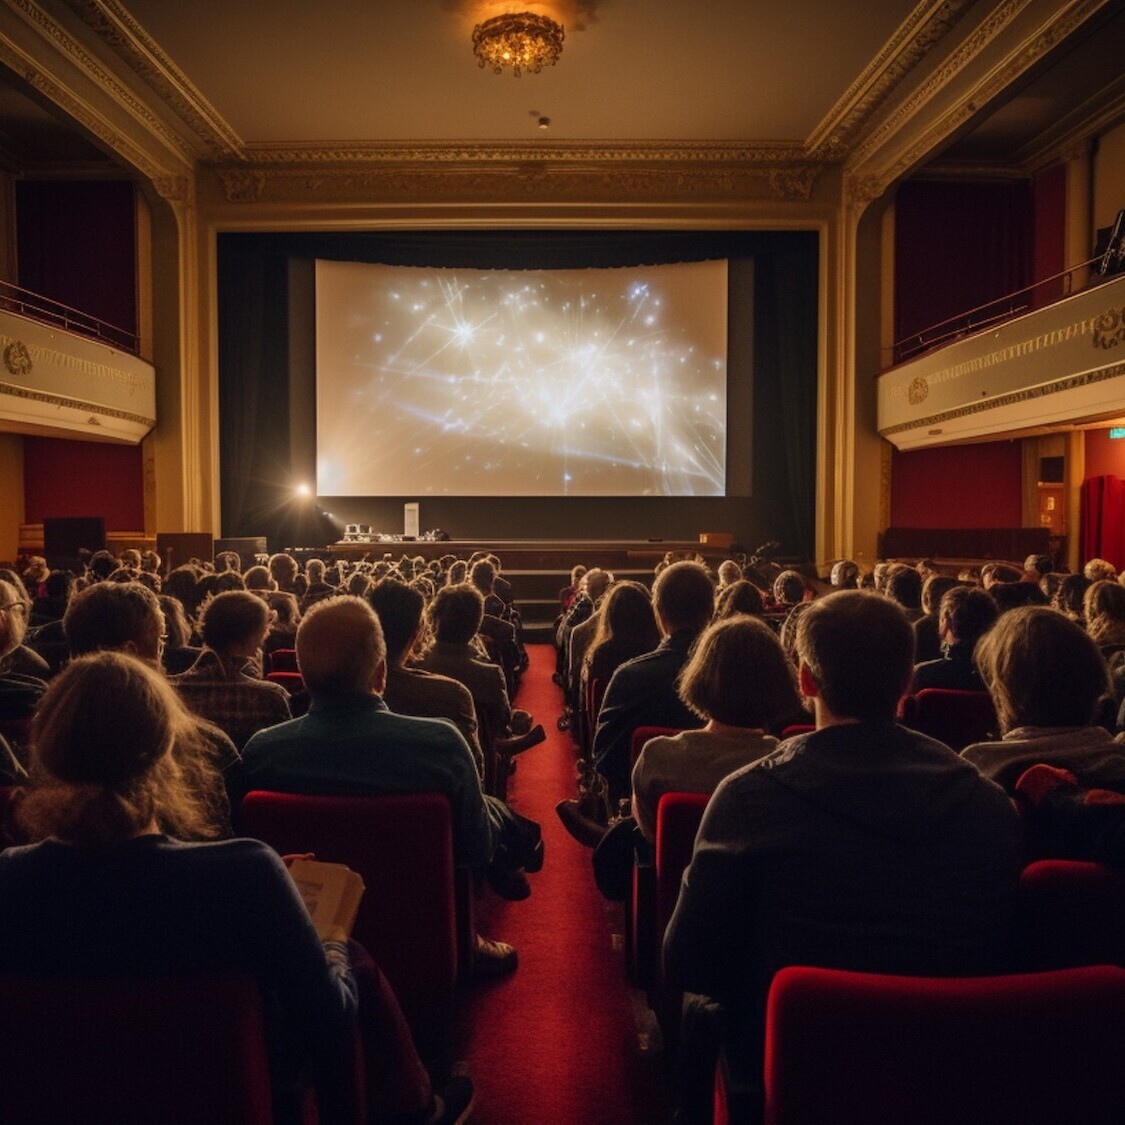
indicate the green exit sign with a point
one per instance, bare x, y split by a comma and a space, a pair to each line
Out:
1117, 431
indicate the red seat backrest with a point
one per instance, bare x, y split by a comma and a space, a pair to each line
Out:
867, 1049
293, 682
1070, 913
641, 735
957, 718
402, 846
678, 816
175, 1050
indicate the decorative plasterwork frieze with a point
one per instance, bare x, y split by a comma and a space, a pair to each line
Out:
95, 410
1026, 394
926, 25
120, 30
591, 173
92, 69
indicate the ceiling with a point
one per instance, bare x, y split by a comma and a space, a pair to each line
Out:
293, 73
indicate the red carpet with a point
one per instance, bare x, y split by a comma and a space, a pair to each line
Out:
558, 1042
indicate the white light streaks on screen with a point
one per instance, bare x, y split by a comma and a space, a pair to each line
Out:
596, 382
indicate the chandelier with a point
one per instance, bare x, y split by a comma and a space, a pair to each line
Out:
521, 40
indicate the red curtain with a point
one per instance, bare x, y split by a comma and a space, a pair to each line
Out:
1103, 519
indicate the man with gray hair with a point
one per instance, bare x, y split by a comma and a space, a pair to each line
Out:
351, 744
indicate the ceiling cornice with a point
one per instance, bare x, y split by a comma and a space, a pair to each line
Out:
929, 23
119, 30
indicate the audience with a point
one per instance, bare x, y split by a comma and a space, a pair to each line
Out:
112, 810
350, 743
862, 846
927, 630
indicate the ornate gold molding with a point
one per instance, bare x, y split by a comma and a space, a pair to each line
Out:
101, 78
940, 78
1027, 394
923, 28
76, 404
479, 181
118, 28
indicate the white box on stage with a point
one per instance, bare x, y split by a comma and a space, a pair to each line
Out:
410, 521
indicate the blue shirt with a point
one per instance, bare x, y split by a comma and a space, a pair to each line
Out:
353, 746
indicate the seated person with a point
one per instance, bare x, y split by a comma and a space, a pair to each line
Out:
1064, 821
410, 690
1070, 595
113, 811
351, 744
317, 588
844, 575
1104, 610
642, 692
861, 845
19, 692
455, 615
224, 686
739, 682
904, 585
626, 628
927, 629
126, 617
965, 614
1048, 682
739, 597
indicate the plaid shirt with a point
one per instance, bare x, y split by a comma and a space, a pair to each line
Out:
232, 697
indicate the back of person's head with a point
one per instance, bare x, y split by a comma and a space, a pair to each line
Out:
181, 584
101, 565
934, 588
259, 578
683, 597
358, 584
1042, 670
314, 570
626, 617
738, 675
1012, 595
993, 573
738, 597
1071, 594
400, 613
904, 585
1097, 569
150, 561
232, 619
59, 585
286, 608
113, 615
1035, 566
729, 572
968, 612
456, 613
596, 581
859, 649
176, 627
103, 763
13, 618
844, 575
458, 573
789, 587
284, 568
482, 574
340, 647
1104, 606
576, 573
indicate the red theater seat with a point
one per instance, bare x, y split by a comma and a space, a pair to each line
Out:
410, 919
865, 1049
171, 1050
957, 718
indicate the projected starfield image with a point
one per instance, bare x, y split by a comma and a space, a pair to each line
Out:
594, 382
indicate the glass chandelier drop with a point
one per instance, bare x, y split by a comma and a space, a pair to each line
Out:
521, 40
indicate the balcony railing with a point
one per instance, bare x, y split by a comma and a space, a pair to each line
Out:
1035, 296
47, 311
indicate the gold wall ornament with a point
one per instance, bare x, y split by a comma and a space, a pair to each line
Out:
1109, 328
521, 40
17, 358
918, 391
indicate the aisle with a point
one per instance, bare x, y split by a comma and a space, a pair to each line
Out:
557, 1043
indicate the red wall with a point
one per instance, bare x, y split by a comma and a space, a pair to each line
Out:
958, 486
1048, 191
1104, 458
83, 478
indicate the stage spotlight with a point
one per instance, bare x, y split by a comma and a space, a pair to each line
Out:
303, 490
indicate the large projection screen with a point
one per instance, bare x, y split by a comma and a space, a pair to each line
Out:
473, 382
